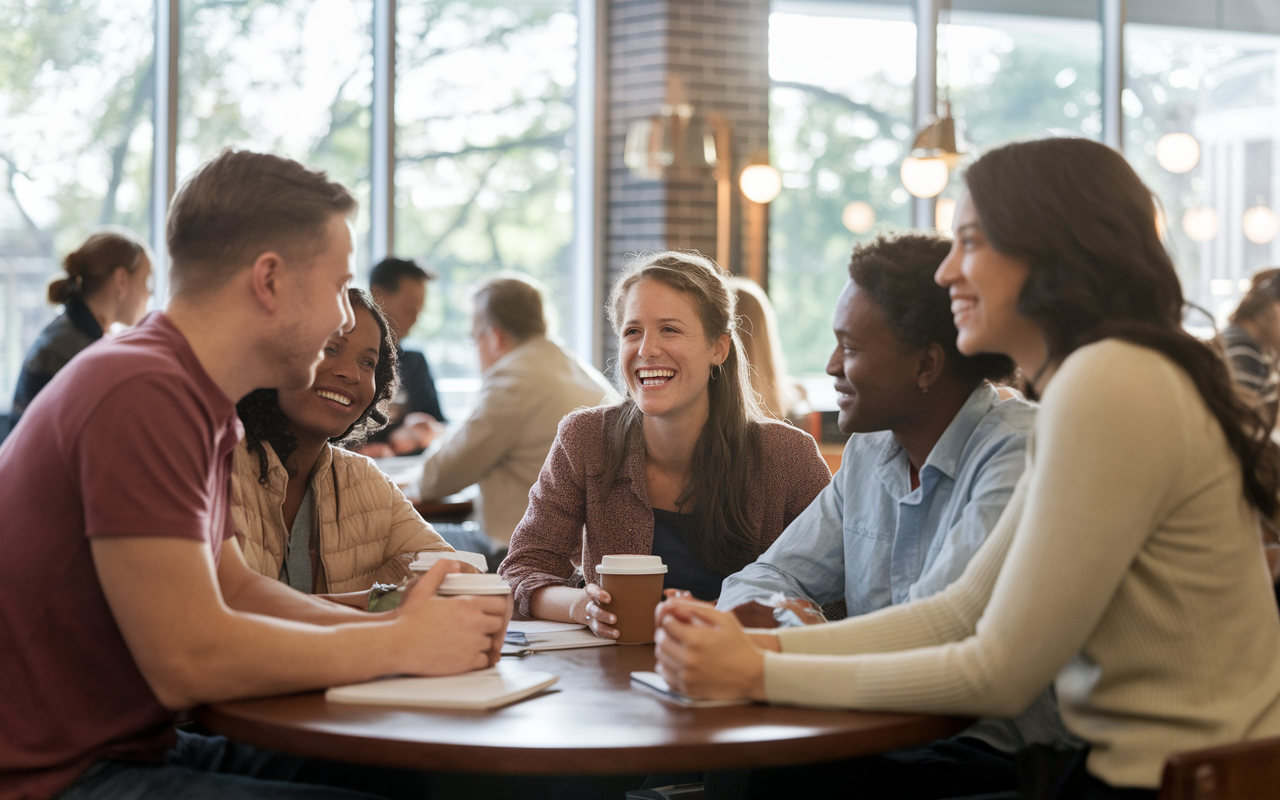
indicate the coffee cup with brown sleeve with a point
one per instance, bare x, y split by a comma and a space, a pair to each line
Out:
634, 585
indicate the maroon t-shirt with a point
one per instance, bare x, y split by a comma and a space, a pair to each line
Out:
132, 438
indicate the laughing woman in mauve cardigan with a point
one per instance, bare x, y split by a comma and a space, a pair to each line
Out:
685, 467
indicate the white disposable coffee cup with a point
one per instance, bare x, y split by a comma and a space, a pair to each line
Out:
426, 561
457, 583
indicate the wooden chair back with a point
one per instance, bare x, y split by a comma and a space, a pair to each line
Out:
1244, 771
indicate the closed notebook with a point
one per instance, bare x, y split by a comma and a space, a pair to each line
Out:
486, 688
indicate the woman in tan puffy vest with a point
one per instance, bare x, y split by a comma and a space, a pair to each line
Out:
318, 517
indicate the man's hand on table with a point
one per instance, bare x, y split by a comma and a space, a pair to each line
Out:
376, 450
416, 434
448, 635
705, 653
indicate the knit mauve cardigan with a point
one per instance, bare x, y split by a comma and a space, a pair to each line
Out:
568, 522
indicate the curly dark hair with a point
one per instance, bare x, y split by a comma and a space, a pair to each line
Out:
1085, 224
265, 422
896, 271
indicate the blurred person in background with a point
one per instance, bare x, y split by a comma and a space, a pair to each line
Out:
529, 383
758, 327
399, 287
107, 282
1251, 341
1250, 344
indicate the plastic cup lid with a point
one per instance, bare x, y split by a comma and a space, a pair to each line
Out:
469, 583
425, 561
631, 565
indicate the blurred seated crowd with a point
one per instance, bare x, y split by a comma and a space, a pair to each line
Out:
1055, 512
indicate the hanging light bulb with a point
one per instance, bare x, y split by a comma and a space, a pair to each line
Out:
1260, 224
944, 214
858, 217
761, 183
1200, 223
924, 177
1178, 152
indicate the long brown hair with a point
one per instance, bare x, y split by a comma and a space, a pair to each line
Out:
1084, 222
727, 456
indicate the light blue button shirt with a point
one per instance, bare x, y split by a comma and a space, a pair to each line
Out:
871, 539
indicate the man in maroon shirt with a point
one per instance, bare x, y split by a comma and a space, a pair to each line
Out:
124, 595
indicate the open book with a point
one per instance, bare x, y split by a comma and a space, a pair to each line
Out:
536, 635
486, 688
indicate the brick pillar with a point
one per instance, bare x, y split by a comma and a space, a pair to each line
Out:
713, 54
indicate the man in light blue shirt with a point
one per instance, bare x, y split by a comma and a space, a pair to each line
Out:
872, 540
934, 455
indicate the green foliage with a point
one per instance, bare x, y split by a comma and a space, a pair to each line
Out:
484, 170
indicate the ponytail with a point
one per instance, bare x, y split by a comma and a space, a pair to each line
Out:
90, 267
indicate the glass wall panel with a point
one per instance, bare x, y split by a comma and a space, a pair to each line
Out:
841, 123
75, 147
1021, 77
1202, 125
290, 77
484, 158
839, 127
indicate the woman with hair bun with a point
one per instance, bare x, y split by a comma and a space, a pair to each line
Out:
1126, 571
107, 282
686, 467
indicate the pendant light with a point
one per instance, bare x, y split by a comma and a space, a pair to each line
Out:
927, 168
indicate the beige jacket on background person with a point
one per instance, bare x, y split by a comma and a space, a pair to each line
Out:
502, 445
368, 530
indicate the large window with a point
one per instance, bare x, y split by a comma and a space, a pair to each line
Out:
1202, 120
1021, 77
840, 125
484, 158
484, 116
843, 78
75, 147
290, 77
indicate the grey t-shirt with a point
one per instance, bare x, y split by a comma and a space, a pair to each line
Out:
295, 570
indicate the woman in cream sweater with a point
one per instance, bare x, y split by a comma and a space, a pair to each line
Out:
1127, 569
316, 516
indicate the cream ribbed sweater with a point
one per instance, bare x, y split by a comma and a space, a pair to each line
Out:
1127, 564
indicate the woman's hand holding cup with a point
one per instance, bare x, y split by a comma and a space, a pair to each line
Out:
593, 616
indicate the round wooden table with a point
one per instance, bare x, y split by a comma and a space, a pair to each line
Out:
593, 721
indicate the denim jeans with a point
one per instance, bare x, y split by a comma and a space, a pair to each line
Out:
199, 767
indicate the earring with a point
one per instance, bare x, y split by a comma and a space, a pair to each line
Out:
716, 369
924, 390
